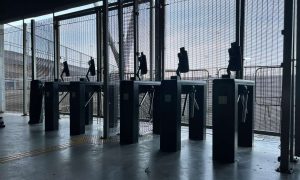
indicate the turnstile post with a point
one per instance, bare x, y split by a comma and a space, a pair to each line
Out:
77, 109
197, 120
170, 131
129, 104
51, 106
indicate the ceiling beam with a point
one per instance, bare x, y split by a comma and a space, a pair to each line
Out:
13, 10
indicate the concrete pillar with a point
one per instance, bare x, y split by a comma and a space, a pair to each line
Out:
2, 73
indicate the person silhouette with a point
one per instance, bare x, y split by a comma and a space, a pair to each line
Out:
143, 66
183, 65
235, 58
2, 125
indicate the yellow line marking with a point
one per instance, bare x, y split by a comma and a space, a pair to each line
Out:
86, 139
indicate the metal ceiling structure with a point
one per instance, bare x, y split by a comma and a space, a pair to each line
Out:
13, 10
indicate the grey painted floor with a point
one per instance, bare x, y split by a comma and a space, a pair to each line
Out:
27, 152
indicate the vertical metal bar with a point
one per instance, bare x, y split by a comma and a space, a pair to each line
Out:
162, 37
106, 70
151, 38
242, 36
297, 98
237, 21
49, 51
99, 58
292, 157
56, 49
121, 40
292, 152
25, 102
66, 55
157, 42
33, 50
101, 46
159, 39
286, 89
136, 34
237, 28
80, 58
2, 70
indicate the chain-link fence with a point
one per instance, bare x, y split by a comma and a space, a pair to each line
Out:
13, 62
205, 28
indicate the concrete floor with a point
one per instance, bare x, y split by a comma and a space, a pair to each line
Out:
27, 152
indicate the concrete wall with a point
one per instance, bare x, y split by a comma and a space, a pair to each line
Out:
2, 73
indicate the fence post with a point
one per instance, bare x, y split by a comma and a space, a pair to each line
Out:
106, 70
159, 39
286, 89
136, 34
2, 72
56, 49
25, 99
33, 51
99, 58
297, 98
121, 41
240, 33
151, 34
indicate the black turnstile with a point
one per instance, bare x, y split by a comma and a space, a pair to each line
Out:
81, 109
36, 102
170, 112
113, 105
52, 90
89, 107
129, 108
232, 117
51, 106
77, 108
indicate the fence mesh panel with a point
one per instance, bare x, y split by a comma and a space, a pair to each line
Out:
13, 62
205, 28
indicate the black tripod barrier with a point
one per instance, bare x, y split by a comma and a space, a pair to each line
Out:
77, 108
232, 120
170, 112
88, 107
197, 120
51, 106
129, 106
113, 106
36, 102
170, 130
156, 111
